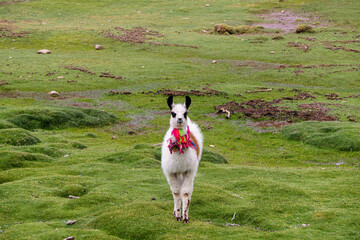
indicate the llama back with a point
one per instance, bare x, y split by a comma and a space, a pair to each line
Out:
196, 132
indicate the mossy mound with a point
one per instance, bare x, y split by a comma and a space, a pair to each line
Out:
142, 155
17, 137
71, 189
336, 135
212, 157
225, 29
56, 117
304, 29
78, 145
5, 124
46, 150
9, 159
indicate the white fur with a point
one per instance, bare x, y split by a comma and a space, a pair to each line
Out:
180, 169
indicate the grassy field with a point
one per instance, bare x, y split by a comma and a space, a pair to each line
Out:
285, 165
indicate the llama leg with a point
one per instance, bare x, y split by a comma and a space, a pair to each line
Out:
175, 181
186, 192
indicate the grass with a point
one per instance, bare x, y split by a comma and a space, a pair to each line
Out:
336, 135
298, 182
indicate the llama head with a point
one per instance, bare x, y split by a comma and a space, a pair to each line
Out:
178, 117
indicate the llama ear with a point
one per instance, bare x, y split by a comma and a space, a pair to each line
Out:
187, 102
170, 102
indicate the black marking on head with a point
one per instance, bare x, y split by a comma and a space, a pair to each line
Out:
173, 114
170, 102
187, 102
185, 115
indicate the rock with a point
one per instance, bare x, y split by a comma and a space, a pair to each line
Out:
207, 5
73, 197
60, 77
44, 51
272, 52
214, 61
69, 238
212, 146
98, 47
71, 222
53, 94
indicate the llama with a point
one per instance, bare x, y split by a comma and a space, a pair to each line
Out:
180, 156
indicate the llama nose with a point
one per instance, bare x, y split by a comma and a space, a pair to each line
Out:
179, 120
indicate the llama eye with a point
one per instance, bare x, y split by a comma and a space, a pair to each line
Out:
185, 115
173, 114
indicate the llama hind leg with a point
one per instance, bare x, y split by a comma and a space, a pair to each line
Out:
186, 191
175, 182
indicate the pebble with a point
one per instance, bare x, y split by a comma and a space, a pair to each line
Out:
53, 94
98, 47
44, 51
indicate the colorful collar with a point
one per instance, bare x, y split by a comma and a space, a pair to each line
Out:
182, 140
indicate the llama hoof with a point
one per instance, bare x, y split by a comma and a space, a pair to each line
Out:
178, 219
186, 221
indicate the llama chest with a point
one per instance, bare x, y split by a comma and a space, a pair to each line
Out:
179, 163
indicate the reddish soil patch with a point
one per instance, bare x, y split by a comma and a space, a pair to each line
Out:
333, 96
259, 108
3, 82
84, 70
8, 33
168, 92
3, 3
138, 35
114, 92
286, 20
298, 45
109, 75
334, 47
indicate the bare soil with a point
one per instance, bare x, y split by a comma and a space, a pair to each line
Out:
84, 70
139, 35
207, 92
259, 108
9, 33
287, 21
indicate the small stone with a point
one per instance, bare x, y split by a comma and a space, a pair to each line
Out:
153, 199
69, 238
142, 66
53, 94
272, 52
73, 197
113, 137
71, 222
282, 11
98, 47
214, 61
60, 77
212, 146
44, 51
207, 5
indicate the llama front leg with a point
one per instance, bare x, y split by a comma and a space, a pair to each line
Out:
175, 182
186, 190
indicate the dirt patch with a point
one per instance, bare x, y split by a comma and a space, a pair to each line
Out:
3, 82
9, 33
81, 69
207, 92
299, 45
138, 35
334, 47
114, 92
287, 21
4, 3
259, 108
109, 75
268, 124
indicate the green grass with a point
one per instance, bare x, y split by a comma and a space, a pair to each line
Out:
335, 135
299, 182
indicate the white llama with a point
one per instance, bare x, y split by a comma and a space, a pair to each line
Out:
180, 156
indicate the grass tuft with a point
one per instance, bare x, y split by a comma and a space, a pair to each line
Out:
5, 124
337, 135
226, 29
17, 137
212, 157
13, 159
57, 117
304, 28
